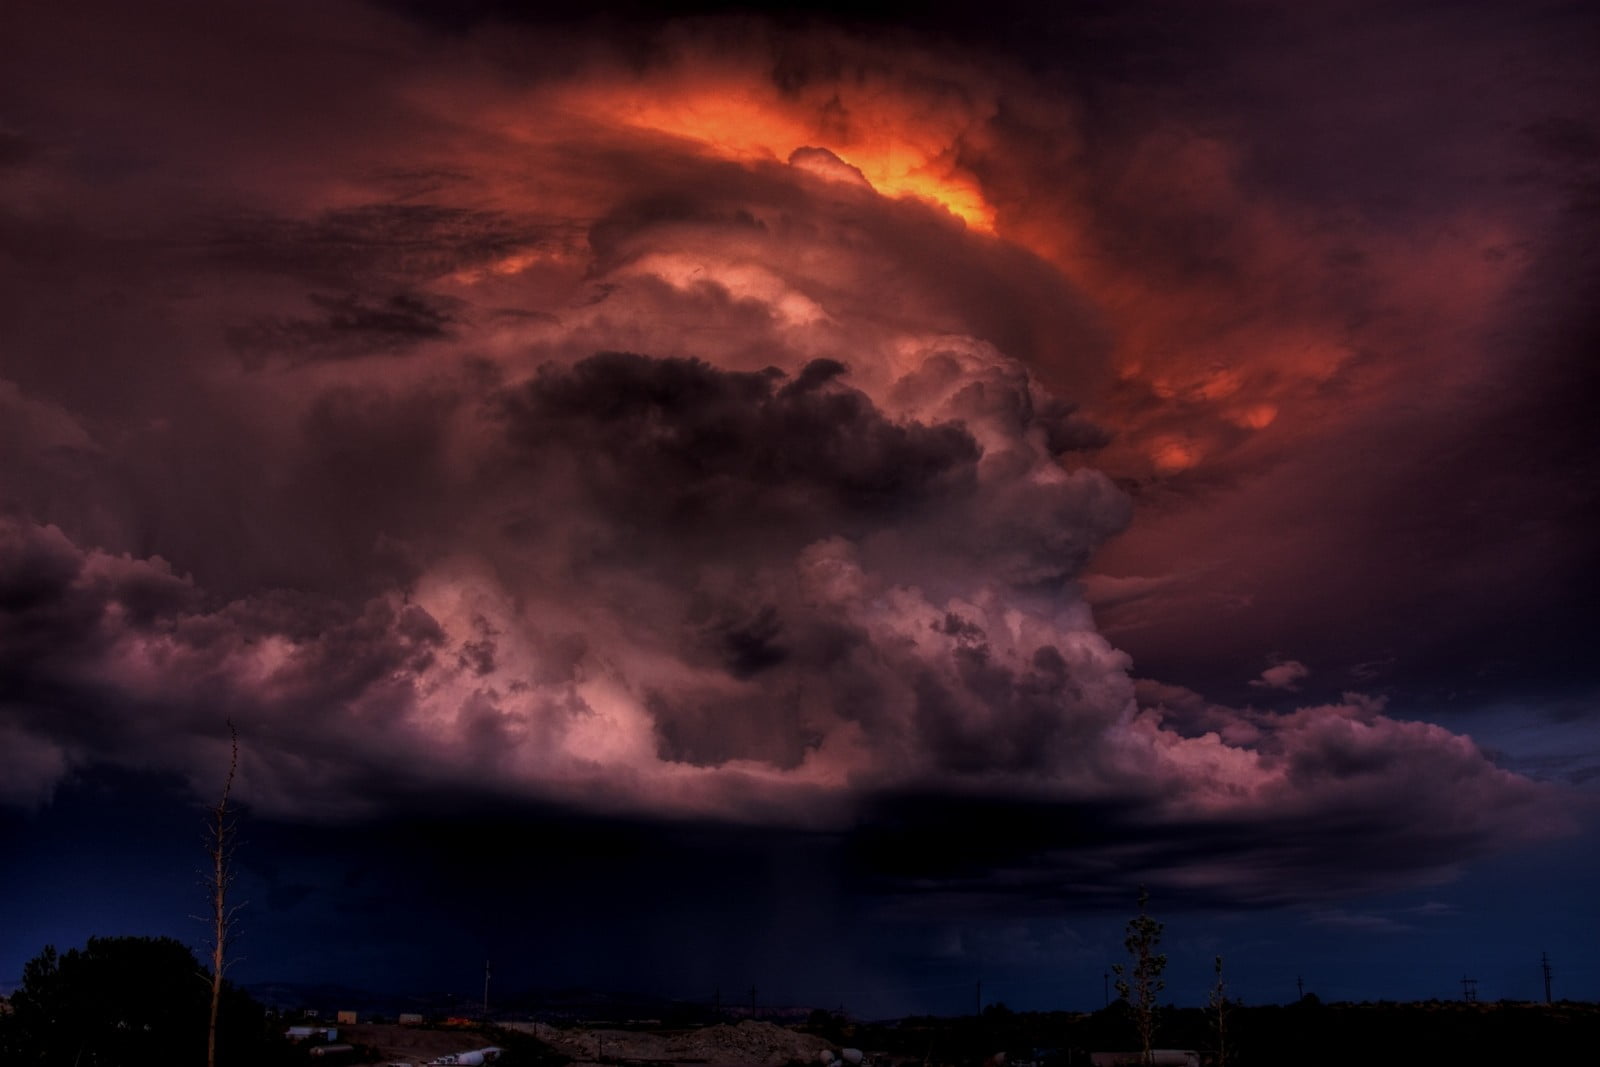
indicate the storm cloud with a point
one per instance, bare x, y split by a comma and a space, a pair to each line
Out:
726, 437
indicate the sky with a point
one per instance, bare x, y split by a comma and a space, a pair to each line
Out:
832, 500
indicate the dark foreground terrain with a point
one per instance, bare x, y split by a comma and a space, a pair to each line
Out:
1307, 1034
132, 1002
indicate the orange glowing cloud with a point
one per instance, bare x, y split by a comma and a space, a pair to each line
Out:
901, 148
1209, 348
1171, 455
1237, 323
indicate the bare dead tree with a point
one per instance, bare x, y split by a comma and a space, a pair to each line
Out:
1218, 1002
221, 839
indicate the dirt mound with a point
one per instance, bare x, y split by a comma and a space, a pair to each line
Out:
588, 1046
750, 1042
747, 1044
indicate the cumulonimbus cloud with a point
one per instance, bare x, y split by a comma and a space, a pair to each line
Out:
717, 483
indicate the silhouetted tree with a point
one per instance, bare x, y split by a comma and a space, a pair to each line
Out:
33, 1025
125, 1002
1139, 981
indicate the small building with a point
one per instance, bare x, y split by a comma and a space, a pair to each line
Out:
346, 1018
410, 1018
312, 1033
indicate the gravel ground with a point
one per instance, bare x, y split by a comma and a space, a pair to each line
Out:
410, 1044
748, 1044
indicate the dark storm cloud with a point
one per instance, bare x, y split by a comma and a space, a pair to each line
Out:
982, 857
116, 660
517, 431
694, 446
346, 326
397, 242
141, 663
1403, 188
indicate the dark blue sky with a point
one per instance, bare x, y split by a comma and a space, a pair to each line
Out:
415, 907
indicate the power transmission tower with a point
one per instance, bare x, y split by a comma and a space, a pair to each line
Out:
752, 1002
1469, 990
1300, 986
977, 999
1105, 987
485, 990
1544, 961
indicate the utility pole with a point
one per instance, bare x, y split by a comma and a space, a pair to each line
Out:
752, 1002
1469, 990
718, 1008
485, 990
1300, 986
977, 998
1105, 987
1544, 961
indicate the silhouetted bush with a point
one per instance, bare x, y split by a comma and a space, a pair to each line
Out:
128, 1002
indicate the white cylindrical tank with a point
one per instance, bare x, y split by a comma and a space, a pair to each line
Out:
852, 1056
825, 1057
